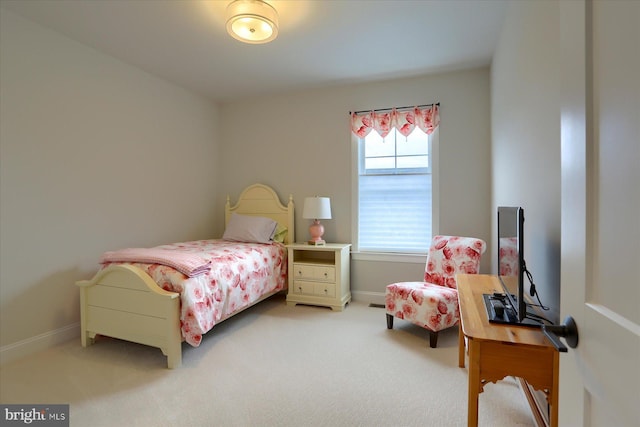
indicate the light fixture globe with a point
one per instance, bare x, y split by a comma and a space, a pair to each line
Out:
252, 21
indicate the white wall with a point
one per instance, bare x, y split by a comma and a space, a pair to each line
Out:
95, 155
300, 143
525, 115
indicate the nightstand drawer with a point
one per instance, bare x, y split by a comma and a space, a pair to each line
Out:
314, 272
300, 287
314, 288
325, 290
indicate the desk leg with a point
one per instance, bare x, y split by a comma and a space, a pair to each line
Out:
460, 346
474, 382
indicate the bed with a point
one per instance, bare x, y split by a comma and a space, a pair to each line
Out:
153, 304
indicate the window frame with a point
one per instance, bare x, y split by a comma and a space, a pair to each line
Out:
408, 257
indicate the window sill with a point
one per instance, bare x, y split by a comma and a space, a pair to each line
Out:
411, 258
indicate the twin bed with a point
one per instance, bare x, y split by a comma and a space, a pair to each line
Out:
161, 302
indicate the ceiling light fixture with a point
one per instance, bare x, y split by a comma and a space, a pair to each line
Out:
252, 21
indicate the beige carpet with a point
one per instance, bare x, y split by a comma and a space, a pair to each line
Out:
272, 365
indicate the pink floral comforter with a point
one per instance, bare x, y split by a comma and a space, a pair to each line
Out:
240, 274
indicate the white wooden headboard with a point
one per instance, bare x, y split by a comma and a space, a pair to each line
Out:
261, 200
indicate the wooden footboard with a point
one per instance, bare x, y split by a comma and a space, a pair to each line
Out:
124, 302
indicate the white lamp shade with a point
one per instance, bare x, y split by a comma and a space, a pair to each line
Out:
317, 208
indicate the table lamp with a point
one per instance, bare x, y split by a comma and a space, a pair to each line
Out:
316, 208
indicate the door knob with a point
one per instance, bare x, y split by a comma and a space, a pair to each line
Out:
568, 330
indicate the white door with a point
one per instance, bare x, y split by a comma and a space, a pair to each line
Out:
600, 279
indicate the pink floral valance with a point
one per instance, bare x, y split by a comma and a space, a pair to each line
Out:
405, 121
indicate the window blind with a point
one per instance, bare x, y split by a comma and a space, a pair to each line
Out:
394, 212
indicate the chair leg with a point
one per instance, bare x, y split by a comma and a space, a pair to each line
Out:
433, 339
389, 321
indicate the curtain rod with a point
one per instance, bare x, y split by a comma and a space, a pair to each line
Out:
397, 108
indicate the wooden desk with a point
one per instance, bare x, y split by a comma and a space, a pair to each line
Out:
496, 351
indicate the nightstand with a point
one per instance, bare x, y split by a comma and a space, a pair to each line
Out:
319, 275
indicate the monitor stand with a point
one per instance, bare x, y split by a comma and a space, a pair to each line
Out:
499, 310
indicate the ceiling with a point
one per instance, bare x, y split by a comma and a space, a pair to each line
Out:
320, 42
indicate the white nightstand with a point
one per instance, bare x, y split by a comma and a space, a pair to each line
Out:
319, 275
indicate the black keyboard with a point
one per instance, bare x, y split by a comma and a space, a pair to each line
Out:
499, 309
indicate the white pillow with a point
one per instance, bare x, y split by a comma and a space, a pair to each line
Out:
250, 229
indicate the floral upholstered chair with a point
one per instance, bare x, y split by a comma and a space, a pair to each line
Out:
433, 304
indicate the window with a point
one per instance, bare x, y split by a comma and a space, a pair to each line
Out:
394, 184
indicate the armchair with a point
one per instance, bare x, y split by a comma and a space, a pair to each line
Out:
433, 303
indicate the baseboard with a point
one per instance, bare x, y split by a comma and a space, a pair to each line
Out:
368, 297
20, 349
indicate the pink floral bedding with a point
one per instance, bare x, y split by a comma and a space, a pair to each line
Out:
240, 274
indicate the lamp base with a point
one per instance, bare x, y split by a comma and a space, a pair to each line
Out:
316, 230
